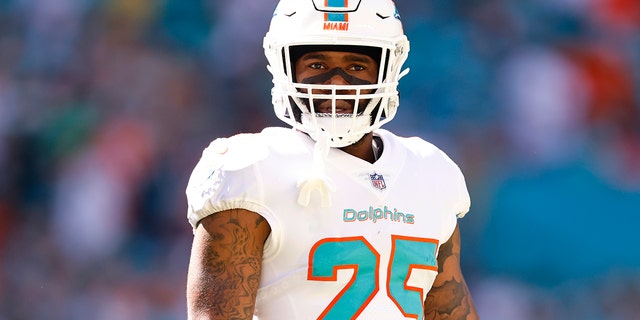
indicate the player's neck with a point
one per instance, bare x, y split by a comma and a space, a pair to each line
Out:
363, 149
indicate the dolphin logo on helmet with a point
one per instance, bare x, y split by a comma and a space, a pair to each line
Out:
336, 20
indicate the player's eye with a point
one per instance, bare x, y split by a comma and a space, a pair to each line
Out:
316, 66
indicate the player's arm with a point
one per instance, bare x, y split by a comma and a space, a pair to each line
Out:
449, 297
225, 265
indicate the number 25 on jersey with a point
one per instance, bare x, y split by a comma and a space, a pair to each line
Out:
356, 253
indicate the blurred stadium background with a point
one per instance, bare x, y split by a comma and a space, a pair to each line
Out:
105, 107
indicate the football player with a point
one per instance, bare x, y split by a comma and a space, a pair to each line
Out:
333, 217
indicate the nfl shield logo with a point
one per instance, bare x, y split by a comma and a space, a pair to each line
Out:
377, 181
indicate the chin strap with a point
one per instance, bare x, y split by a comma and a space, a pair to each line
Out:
317, 179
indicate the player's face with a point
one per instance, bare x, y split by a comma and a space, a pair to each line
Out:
336, 68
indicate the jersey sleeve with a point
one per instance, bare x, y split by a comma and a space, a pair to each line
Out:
453, 177
451, 180
459, 196
463, 203
226, 178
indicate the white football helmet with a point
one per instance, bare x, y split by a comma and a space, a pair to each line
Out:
336, 25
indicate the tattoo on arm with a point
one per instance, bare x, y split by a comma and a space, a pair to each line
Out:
225, 266
449, 297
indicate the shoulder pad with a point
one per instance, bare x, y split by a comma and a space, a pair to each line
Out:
235, 153
222, 155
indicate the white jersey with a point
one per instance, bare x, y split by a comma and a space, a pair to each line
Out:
370, 255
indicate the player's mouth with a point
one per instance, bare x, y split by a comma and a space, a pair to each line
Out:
325, 106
